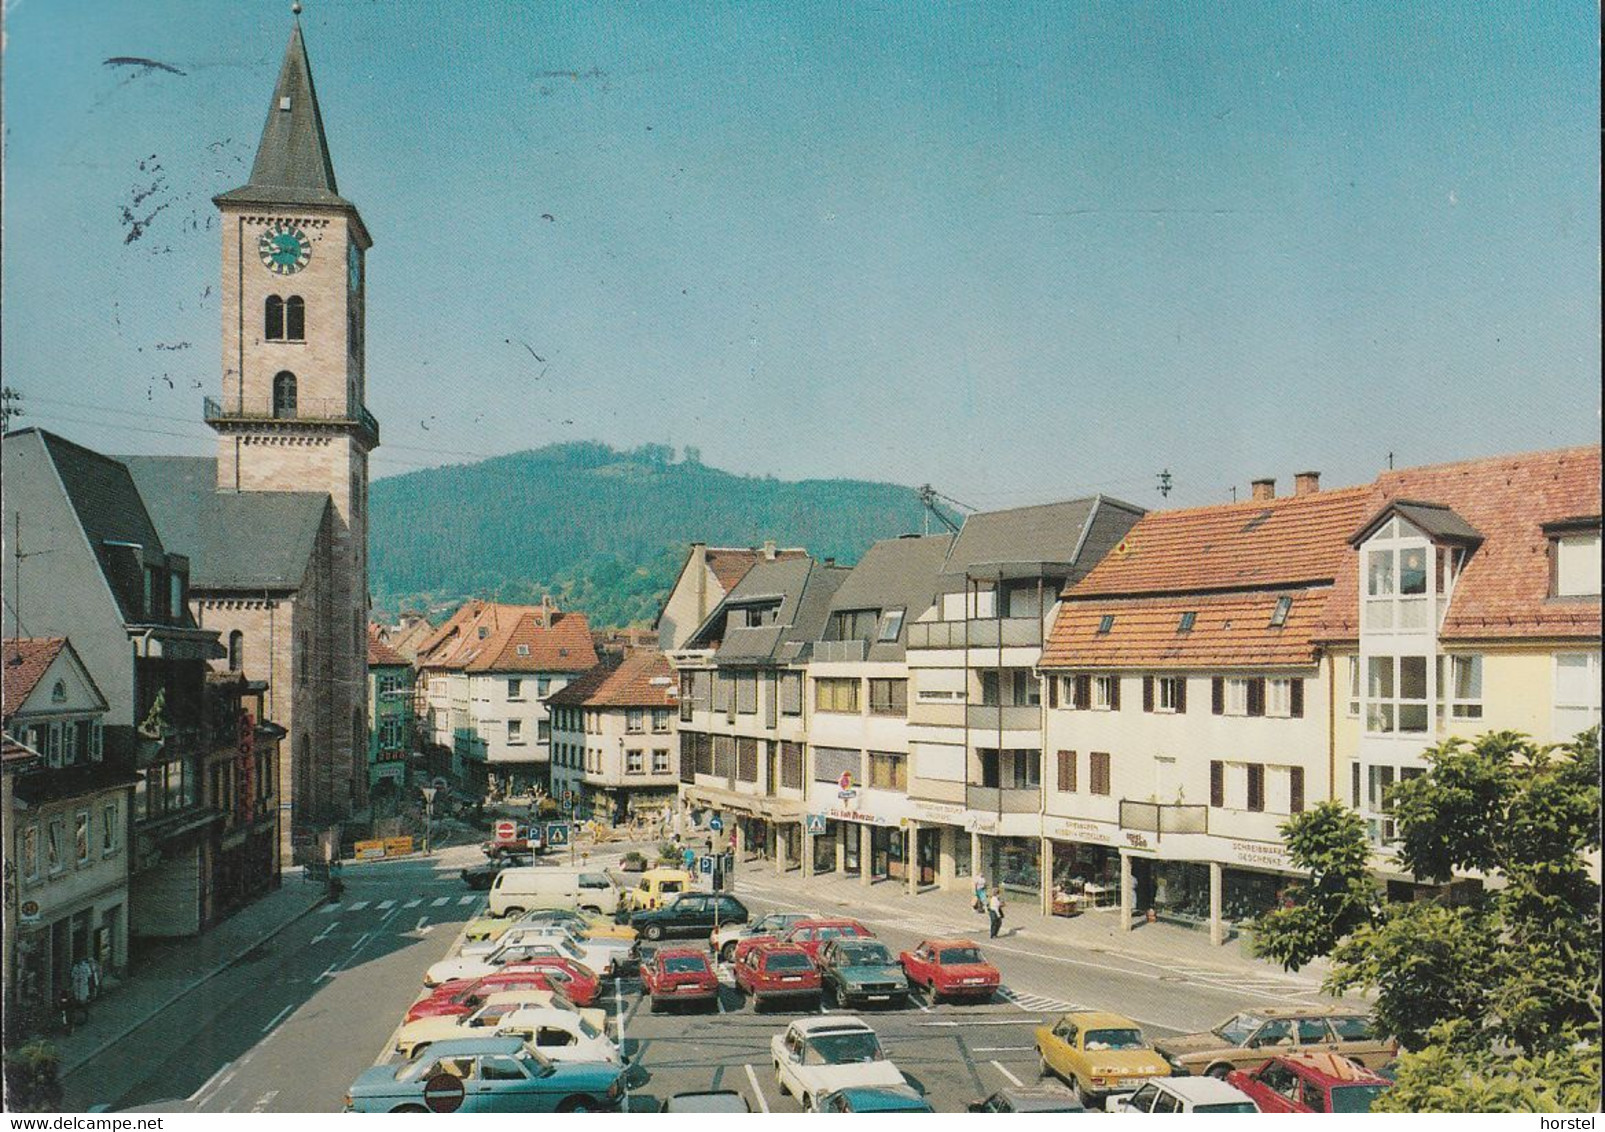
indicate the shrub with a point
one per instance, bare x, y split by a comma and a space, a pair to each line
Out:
33, 1078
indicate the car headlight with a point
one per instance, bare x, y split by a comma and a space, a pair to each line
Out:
616, 1089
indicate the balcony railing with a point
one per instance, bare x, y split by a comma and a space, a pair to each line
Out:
1013, 800
839, 651
1162, 818
985, 719
1010, 632
321, 410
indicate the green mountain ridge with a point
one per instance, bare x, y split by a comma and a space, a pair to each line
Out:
603, 531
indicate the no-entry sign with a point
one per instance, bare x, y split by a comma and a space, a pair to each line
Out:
506, 831
443, 1093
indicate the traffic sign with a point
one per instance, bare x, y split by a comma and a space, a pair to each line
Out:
443, 1093
506, 831
557, 833
716, 823
705, 865
816, 823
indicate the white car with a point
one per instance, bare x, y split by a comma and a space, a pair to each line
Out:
724, 938
622, 949
1184, 1094
824, 1053
561, 1035
414, 1037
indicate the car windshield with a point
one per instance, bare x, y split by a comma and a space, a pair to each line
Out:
863, 954
1229, 1106
1355, 1098
788, 961
1114, 1039
684, 964
1236, 1031
843, 1049
1351, 1029
955, 955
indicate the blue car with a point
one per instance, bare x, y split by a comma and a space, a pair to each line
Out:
487, 1075
883, 1098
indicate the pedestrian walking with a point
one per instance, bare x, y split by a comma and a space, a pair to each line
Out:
994, 911
979, 903
690, 857
83, 979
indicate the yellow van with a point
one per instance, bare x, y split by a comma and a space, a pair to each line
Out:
656, 887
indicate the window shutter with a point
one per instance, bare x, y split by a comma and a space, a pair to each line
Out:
1256, 696
1181, 694
1067, 772
1114, 692
1295, 789
1296, 700
1100, 772
1053, 691
1256, 787
1147, 693
1217, 695
1217, 783
1083, 692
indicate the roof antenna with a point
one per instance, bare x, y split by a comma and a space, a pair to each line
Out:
295, 9
1164, 483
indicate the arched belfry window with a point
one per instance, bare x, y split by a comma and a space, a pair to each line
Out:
284, 394
295, 319
273, 319
236, 651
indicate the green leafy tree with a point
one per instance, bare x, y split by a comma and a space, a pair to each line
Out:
1465, 981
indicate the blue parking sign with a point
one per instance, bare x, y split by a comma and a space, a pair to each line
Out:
705, 865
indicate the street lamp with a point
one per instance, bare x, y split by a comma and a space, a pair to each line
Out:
429, 813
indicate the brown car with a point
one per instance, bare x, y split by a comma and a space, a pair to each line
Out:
1246, 1039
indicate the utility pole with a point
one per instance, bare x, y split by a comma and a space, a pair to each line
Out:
1164, 483
8, 407
429, 814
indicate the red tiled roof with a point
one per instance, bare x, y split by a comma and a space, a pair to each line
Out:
1503, 592
1229, 631
379, 652
627, 684
1292, 541
730, 564
537, 641
26, 661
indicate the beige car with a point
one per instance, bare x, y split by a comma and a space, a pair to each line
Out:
414, 1037
1246, 1039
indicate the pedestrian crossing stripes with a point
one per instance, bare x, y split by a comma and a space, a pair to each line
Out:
360, 905
465, 901
332, 907
1038, 1002
414, 902
440, 902
386, 905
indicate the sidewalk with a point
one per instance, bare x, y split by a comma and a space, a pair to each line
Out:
170, 970
1163, 944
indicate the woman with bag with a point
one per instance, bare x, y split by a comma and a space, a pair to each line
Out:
994, 911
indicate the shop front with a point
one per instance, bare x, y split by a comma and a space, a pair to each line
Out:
1013, 862
1086, 878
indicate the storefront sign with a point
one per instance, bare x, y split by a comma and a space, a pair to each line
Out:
945, 812
1067, 829
843, 813
1139, 842
1266, 854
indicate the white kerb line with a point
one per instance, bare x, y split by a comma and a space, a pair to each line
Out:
618, 1006
1018, 1084
222, 1069
278, 1017
763, 1103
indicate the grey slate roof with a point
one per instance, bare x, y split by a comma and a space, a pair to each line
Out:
253, 540
804, 587
292, 161
895, 573
108, 506
1048, 539
1435, 520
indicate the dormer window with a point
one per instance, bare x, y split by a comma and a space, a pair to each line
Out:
891, 626
1284, 606
1106, 623
1576, 564
58, 694
1185, 625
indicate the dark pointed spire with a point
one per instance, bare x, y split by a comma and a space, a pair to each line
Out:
292, 161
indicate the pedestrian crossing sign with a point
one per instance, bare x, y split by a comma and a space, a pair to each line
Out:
557, 833
816, 823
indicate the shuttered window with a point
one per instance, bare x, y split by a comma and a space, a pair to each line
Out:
1099, 768
1067, 772
724, 756
1296, 708
791, 765
1295, 790
1256, 697
1083, 699
791, 685
747, 760
1217, 696
830, 763
1147, 693
1217, 783
747, 693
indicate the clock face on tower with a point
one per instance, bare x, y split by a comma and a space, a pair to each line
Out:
284, 248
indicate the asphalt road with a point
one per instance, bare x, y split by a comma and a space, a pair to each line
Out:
289, 1027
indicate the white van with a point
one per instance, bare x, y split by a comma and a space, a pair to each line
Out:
517, 891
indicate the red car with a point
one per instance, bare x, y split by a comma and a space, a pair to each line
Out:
578, 982
680, 974
778, 970
950, 968
810, 935
464, 996
1310, 1082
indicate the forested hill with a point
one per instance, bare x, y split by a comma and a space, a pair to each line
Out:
603, 531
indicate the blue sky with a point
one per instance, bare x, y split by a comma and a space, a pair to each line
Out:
1019, 251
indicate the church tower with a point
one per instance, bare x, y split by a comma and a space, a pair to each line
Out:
292, 418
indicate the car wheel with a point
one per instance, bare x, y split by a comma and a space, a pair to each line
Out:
409, 1108
591, 908
652, 1004
578, 1104
1219, 1071
727, 953
1086, 1098
1044, 1070
808, 1102
653, 932
513, 913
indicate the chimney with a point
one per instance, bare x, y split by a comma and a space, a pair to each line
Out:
544, 617
1306, 483
769, 550
1263, 489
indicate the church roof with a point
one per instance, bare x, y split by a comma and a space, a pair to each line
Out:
292, 161
247, 540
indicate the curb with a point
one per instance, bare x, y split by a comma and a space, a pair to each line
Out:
68, 1070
